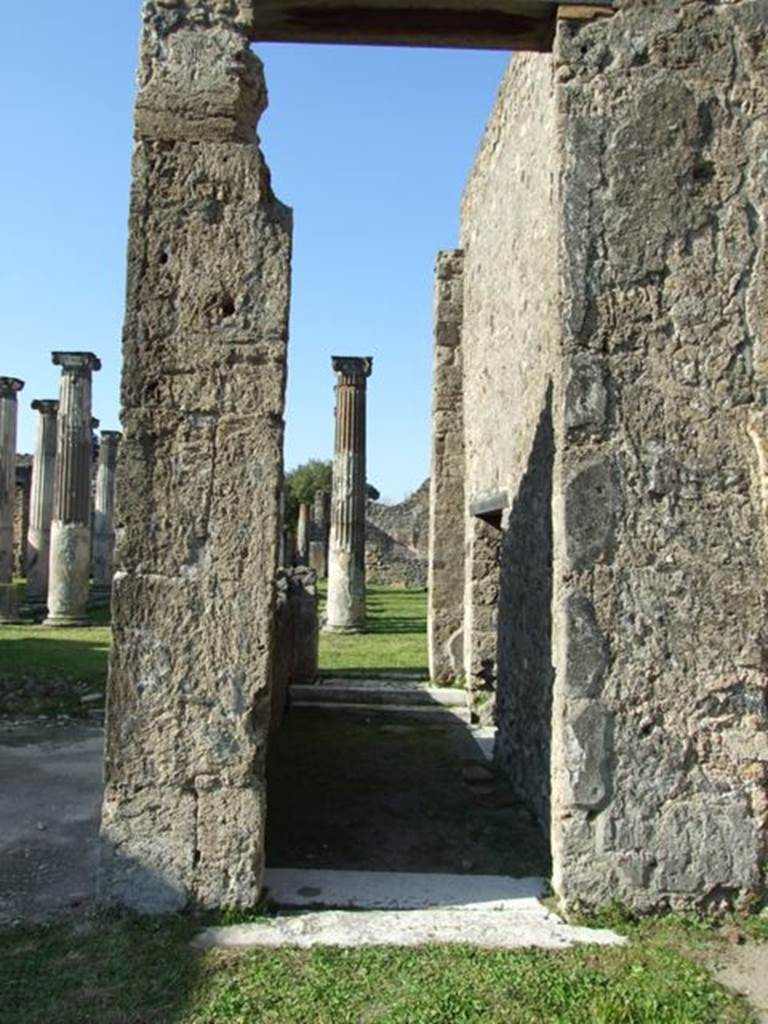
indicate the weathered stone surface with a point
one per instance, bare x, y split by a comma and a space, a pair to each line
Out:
346, 550
21, 513
396, 540
510, 339
103, 518
637, 300
446, 494
296, 636
41, 505
663, 265
481, 601
9, 407
197, 505
69, 568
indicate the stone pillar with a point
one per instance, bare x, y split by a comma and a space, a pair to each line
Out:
21, 513
103, 528
9, 388
302, 535
318, 544
41, 505
70, 539
446, 487
346, 557
481, 602
197, 508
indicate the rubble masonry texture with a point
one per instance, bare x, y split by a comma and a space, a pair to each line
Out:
621, 341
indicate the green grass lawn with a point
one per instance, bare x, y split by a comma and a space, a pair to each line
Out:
124, 970
394, 642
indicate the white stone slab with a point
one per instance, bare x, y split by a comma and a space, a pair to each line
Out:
400, 890
497, 929
485, 738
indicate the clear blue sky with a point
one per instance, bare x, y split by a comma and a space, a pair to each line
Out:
370, 146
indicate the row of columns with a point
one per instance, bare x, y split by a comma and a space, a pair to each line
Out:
64, 541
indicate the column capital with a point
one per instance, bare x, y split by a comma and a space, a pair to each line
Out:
352, 369
9, 386
46, 406
110, 436
74, 362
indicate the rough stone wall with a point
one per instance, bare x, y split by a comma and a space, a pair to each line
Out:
660, 721
616, 332
296, 636
446, 495
197, 506
396, 540
510, 344
21, 513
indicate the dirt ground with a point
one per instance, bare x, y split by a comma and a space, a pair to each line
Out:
383, 796
50, 801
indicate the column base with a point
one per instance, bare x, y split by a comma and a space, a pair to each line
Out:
9, 605
65, 622
327, 628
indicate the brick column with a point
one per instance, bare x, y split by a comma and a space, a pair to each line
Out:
302, 535
446, 484
9, 408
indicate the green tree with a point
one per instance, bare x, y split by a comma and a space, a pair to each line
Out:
301, 484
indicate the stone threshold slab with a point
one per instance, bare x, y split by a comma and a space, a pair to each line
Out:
401, 890
488, 929
425, 712
375, 694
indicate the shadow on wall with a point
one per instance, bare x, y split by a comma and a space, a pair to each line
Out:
525, 670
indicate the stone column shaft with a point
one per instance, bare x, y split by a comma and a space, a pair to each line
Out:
346, 556
9, 388
41, 504
103, 526
318, 544
302, 535
70, 541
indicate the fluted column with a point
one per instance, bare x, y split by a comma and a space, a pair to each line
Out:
103, 526
346, 556
318, 534
9, 408
70, 561
302, 535
41, 505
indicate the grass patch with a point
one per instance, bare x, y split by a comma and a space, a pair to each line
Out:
395, 640
124, 970
56, 666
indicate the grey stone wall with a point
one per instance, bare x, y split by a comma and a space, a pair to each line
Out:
296, 636
660, 723
510, 344
197, 506
631, 167
446, 494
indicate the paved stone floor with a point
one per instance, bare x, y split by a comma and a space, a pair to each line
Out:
50, 801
